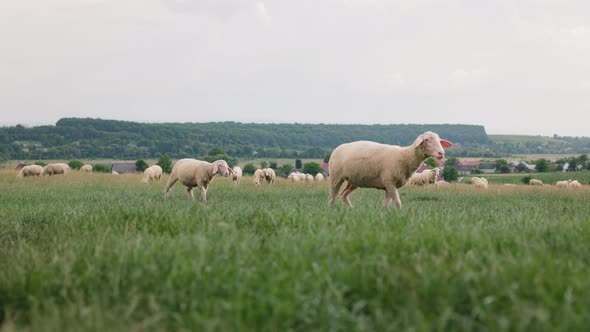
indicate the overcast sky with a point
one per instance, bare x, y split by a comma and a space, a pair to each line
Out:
520, 67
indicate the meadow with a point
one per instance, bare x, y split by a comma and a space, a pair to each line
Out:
98, 252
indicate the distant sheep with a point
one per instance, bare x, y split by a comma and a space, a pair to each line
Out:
86, 168
426, 177
481, 183
562, 184
259, 176
319, 177
269, 175
535, 182
195, 173
575, 184
308, 178
439, 184
236, 176
365, 164
294, 177
152, 174
30, 170
57, 168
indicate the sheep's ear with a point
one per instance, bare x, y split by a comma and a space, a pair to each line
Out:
445, 143
419, 140
215, 167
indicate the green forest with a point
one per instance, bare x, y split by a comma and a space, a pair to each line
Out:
96, 138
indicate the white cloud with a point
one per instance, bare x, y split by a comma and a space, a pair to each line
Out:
262, 12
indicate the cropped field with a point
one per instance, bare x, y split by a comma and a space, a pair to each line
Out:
106, 253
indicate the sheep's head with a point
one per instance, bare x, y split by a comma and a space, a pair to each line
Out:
220, 167
432, 145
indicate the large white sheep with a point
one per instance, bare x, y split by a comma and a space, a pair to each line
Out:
294, 177
319, 177
86, 168
365, 164
308, 177
30, 170
195, 173
535, 182
269, 175
427, 176
57, 168
302, 177
259, 176
236, 176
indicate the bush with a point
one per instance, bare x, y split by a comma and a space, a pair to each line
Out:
165, 163
526, 179
141, 165
450, 174
285, 170
101, 168
312, 168
75, 164
249, 169
42, 164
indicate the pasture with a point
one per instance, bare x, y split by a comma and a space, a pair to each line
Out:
107, 253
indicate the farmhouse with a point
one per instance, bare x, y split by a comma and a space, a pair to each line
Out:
487, 168
465, 166
123, 167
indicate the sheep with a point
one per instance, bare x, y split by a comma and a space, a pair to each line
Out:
302, 177
575, 184
426, 177
294, 177
269, 175
115, 173
259, 176
149, 175
364, 164
562, 184
30, 170
440, 184
308, 178
57, 168
236, 176
157, 172
319, 177
481, 183
86, 168
195, 173
535, 182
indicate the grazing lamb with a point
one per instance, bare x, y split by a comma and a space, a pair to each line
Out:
535, 182
575, 184
86, 168
426, 177
481, 183
30, 170
157, 172
58, 168
236, 176
269, 175
365, 164
259, 176
562, 184
319, 177
196, 173
149, 175
442, 183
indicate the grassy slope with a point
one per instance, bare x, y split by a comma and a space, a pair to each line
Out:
103, 252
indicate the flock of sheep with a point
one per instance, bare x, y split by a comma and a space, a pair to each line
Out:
360, 164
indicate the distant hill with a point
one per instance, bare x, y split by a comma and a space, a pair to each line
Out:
521, 144
96, 138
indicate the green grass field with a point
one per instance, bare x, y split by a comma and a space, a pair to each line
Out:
106, 253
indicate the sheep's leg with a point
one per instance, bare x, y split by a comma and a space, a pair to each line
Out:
346, 193
203, 194
171, 181
391, 192
189, 192
334, 187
